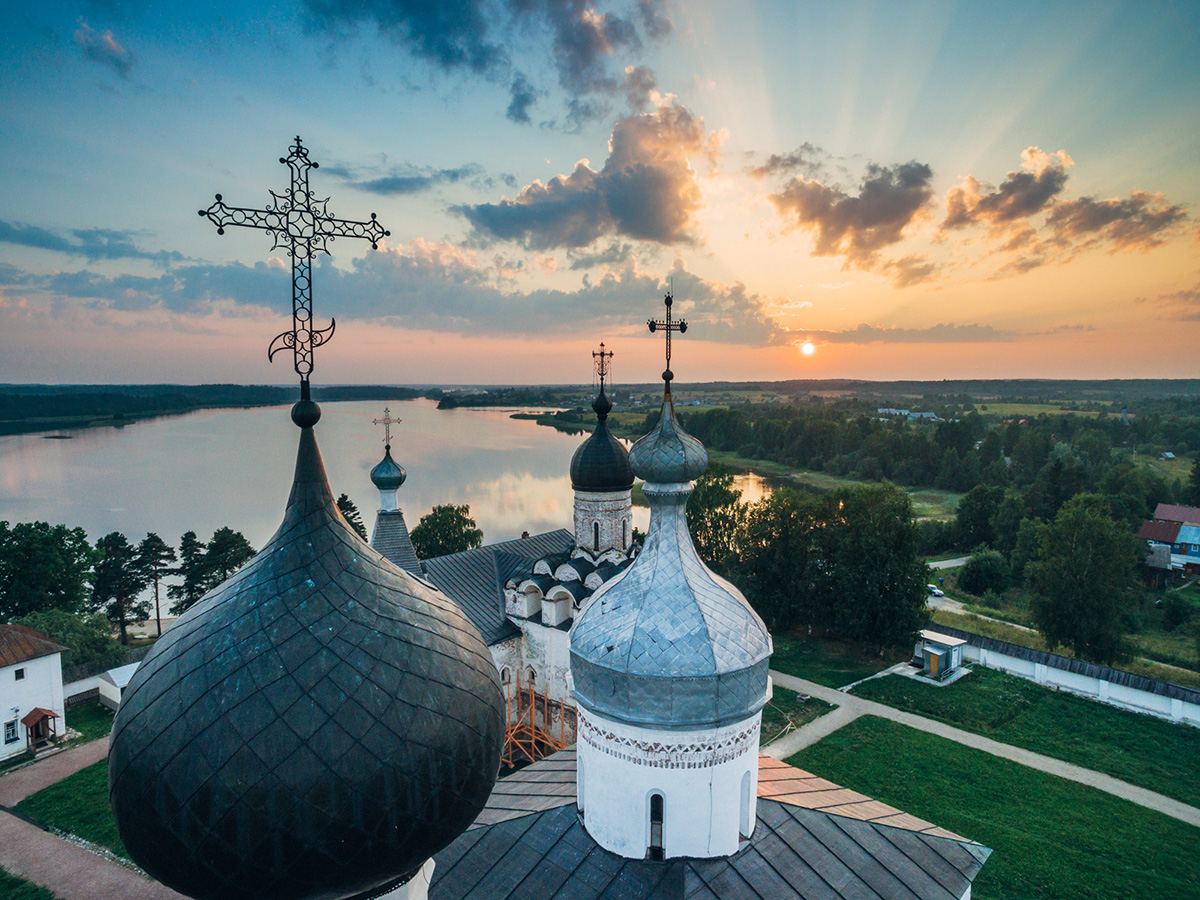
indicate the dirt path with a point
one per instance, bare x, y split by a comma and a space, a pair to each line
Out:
856, 706
20, 783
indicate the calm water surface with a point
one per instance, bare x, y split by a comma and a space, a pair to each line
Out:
234, 467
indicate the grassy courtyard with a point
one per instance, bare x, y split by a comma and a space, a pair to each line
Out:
787, 712
1051, 838
831, 663
78, 805
1139, 749
91, 720
14, 888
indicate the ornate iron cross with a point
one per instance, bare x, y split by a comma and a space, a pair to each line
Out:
387, 422
602, 360
667, 325
300, 223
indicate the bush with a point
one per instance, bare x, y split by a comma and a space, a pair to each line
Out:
985, 571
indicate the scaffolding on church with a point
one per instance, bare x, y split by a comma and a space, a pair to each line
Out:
524, 739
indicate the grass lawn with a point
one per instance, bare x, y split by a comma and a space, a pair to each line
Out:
787, 712
78, 805
1051, 838
1002, 631
14, 888
1142, 750
831, 663
91, 720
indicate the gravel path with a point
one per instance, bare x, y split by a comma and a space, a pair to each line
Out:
857, 706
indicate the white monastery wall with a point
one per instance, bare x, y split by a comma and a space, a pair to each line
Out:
42, 686
1086, 686
708, 780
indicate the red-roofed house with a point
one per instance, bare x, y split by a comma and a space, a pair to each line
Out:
1169, 512
31, 690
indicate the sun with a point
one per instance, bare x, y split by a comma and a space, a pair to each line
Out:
808, 348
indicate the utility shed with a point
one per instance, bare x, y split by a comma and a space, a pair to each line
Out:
939, 654
113, 684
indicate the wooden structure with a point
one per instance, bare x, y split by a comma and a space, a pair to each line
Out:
41, 730
525, 739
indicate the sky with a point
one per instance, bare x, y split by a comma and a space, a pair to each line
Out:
853, 190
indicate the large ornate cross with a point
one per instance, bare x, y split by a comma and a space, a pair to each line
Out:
301, 224
602, 360
387, 422
667, 325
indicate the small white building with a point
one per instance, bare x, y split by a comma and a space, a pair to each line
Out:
31, 690
113, 684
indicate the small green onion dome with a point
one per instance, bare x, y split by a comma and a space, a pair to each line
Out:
389, 474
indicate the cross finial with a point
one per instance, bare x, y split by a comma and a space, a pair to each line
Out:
387, 422
300, 224
602, 360
667, 325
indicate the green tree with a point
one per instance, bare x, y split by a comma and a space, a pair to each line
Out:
1192, 491
194, 571
155, 557
869, 578
446, 529
228, 551
350, 513
773, 561
42, 567
973, 521
1081, 579
117, 580
88, 638
985, 571
714, 515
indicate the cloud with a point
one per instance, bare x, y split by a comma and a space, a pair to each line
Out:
947, 333
409, 179
909, 270
1142, 221
579, 41
1183, 305
808, 160
435, 286
102, 48
640, 85
615, 254
646, 190
93, 244
858, 226
1020, 195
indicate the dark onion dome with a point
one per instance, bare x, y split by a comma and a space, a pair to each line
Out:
669, 643
314, 728
389, 474
601, 464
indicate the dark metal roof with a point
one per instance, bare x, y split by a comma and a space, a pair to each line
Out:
474, 579
388, 474
1163, 532
1172, 513
316, 726
1078, 666
601, 463
531, 844
390, 539
19, 644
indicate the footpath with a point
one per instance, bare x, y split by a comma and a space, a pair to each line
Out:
70, 872
851, 707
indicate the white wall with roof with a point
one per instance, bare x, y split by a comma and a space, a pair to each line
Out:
41, 685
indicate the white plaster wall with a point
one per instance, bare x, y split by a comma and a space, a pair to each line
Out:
42, 686
614, 512
699, 774
1093, 688
74, 688
548, 652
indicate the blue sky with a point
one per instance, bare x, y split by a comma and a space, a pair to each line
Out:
912, 190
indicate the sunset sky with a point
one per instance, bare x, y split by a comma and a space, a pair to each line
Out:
919, 190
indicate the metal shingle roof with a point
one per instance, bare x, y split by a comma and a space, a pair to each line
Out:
474, 579
19, 644
390, 538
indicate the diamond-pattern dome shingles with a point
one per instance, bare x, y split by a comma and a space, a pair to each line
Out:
388, 474
601, 463
316, 727
668, 454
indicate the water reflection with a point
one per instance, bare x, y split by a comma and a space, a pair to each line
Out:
233, 467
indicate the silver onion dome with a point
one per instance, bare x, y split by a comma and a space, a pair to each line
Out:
669, 643
388, 474
317, 726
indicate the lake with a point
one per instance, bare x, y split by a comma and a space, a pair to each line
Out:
213, 468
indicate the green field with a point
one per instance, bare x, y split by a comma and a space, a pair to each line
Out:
91, 720
787, 712
831, 663
1052, 839
1139, 749
78, 805
14, 888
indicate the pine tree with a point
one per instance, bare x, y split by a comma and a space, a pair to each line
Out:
193, 571
227, 552
350, 513
117, 581
154, 557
